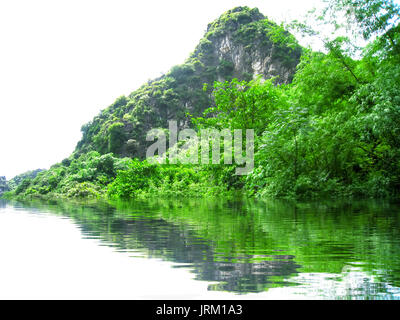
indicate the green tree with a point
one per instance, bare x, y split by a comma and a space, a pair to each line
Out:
116, 137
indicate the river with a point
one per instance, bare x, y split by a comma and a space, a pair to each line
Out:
235, 248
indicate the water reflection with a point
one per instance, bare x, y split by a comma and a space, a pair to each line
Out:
251, 246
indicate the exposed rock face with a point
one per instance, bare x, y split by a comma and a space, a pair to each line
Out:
241, 44
246, 43
3, 185
250, 63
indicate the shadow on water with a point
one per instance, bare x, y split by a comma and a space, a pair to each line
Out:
246, 245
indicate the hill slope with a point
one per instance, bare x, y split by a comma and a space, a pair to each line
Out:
241, 44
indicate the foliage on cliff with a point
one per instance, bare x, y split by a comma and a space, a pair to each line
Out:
240, 44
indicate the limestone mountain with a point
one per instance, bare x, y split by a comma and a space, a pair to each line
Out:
241, 44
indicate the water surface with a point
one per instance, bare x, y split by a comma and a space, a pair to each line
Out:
200, 249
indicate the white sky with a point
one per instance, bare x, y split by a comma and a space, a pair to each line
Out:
61, 62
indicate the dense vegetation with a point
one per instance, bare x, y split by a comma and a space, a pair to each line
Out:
17, 180
332, 131
99, 176
121, 128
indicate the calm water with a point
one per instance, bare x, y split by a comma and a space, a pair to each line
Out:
200, 249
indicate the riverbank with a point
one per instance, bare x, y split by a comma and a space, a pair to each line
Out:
95, 176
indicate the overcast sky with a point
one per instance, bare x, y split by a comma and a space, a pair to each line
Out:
61, 62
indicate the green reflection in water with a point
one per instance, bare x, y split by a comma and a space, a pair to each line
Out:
247, 245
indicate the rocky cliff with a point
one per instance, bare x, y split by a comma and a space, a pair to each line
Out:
241, 44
